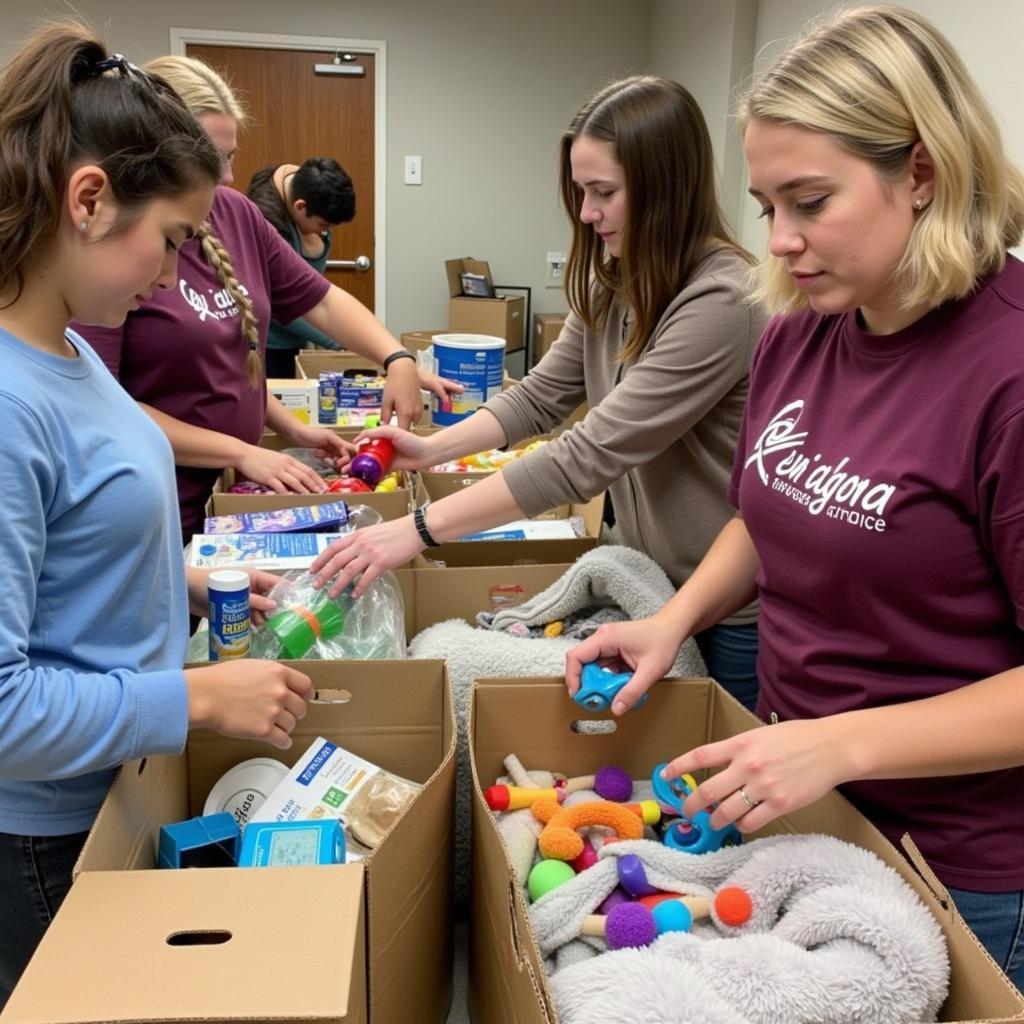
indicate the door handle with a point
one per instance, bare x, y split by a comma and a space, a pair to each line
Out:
360, 263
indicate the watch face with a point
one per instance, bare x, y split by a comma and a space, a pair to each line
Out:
294, 847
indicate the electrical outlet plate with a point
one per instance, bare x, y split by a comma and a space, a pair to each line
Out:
414, 170
556, 269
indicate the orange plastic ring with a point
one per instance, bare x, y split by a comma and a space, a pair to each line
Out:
314, 622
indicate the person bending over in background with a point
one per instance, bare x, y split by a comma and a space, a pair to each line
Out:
302, 202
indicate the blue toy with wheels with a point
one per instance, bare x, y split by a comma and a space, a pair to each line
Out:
598, 687
691, 835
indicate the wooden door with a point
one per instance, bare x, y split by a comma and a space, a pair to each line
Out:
296, 114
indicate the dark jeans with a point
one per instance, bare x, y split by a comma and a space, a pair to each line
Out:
35, 875
997, 919
281, 362
730, 654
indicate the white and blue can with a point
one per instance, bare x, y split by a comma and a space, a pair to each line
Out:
230, 624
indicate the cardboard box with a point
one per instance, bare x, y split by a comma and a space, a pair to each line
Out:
510, 552
391, 505
546, 329
501, 317
421, 344
310, 363
299, 397
434, 595
297, 947
533, 719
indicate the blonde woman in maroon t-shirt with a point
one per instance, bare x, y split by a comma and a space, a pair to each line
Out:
877, 478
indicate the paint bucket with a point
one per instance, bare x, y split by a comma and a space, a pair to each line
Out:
477, 361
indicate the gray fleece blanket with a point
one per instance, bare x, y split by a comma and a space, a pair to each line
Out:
605, 576
836, 936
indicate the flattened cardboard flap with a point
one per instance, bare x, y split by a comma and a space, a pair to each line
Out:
161, 946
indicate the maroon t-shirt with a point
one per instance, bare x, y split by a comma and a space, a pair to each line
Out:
880, 479
184, 353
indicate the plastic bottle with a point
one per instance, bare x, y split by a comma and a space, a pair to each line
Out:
230, 624
372, 461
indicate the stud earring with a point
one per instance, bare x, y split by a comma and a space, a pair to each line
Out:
84, 226
918, 203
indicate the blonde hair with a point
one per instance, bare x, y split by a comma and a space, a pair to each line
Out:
878, 80
204, 91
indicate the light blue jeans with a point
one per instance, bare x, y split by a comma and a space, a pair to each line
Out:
730, 654
997, 918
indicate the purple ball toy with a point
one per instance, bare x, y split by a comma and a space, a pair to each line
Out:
613, 783
630, 925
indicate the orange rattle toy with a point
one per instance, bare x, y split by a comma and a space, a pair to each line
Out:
560, 841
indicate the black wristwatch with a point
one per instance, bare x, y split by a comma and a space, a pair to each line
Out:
402, 353
419, 517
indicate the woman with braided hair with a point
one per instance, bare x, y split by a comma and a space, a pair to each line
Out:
193, 355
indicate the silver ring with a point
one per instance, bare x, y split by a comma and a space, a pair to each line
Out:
746, 799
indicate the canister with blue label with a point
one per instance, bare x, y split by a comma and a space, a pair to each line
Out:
229, 614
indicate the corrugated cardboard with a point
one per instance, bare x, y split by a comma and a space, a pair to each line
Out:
533, 718
501, 316
546, 328
310, 363
391, 505
396, 714
295, 949
510, 552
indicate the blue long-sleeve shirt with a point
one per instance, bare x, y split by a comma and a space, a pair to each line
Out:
93, 602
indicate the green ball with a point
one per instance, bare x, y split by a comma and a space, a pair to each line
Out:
547, 875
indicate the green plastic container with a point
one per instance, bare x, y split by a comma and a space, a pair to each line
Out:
295, 629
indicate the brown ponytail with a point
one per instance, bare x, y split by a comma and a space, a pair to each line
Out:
60, 108
217, 256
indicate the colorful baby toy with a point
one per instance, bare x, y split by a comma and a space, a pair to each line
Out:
599, 686
691, 835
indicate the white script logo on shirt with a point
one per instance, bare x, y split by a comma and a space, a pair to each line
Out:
224, 303
818, 486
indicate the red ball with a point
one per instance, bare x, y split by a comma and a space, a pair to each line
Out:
733, 906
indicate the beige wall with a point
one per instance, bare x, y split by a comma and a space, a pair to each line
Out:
709, 48
987, 34
482, 92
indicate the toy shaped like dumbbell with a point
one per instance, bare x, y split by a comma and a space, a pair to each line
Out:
635, 924
599, 687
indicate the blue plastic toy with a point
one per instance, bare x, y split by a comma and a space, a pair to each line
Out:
209, 841
598, 687
691, 835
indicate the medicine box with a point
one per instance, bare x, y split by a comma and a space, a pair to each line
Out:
320, 785
280, 844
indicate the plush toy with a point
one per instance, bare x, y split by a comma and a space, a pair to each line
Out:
561, 841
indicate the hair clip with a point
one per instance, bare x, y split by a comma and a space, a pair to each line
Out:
253, 346
117, 61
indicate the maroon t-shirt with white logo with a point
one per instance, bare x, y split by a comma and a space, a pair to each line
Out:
881, 480
184, 353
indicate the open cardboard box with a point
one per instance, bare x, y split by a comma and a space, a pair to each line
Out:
534, 719
507, 552
391, 505
501, 316
293, 945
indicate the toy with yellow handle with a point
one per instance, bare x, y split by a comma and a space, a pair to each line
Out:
560, 841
